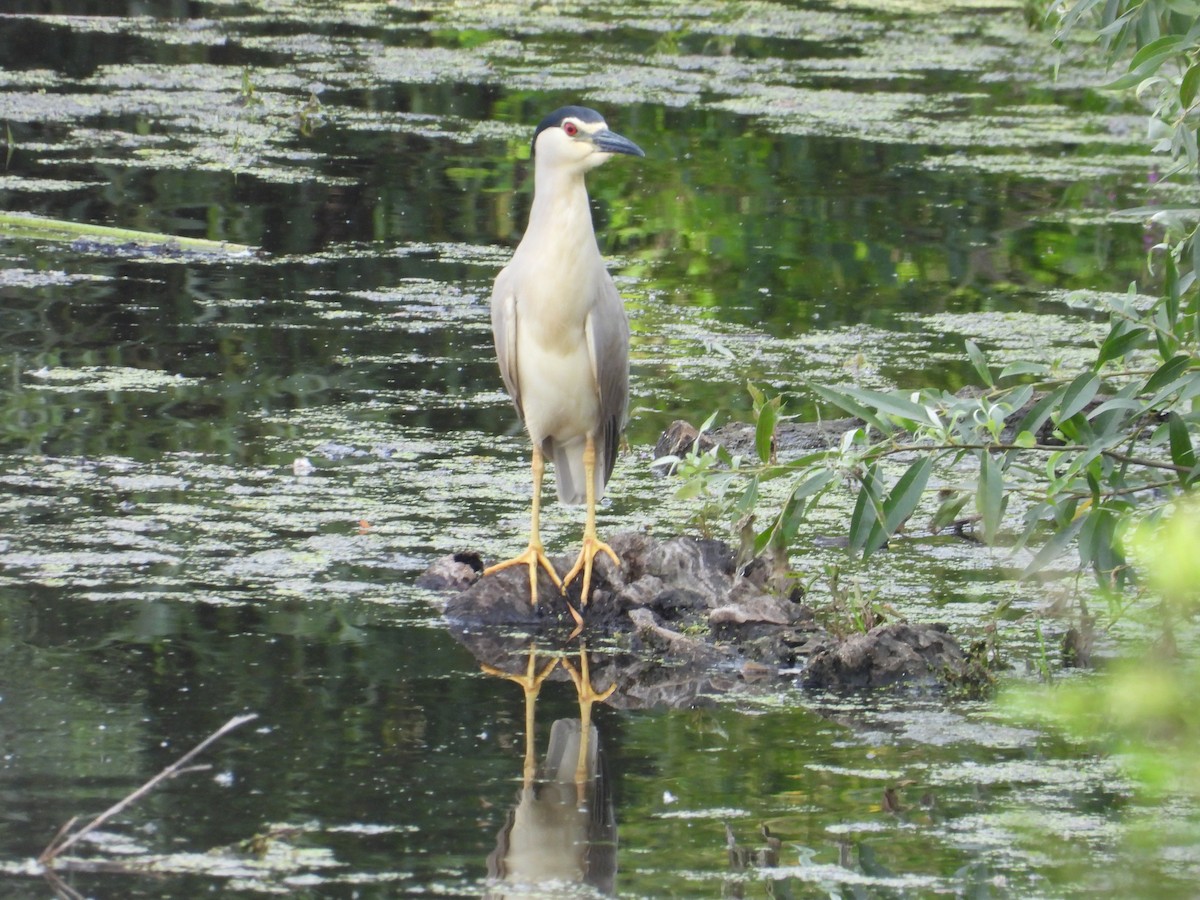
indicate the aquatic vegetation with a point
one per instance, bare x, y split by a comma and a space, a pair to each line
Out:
17, 277
99, 378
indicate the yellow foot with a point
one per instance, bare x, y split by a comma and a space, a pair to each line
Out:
532, 557
531, 680
583, 684
592, 546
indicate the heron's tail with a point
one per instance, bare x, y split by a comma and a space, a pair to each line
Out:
569, 474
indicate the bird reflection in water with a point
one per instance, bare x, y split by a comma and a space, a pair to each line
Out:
563, 828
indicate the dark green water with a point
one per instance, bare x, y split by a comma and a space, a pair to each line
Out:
838, 193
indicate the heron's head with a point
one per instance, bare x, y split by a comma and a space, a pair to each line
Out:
576, 138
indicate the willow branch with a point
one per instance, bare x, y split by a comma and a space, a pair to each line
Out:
1115, 455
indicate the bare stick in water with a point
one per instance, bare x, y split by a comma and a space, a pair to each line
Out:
65, 838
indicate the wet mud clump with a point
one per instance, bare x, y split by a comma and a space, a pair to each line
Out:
686, 621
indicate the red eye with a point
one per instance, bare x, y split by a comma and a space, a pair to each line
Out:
570, 128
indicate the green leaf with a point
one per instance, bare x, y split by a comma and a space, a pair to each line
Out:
1088, 534
1124, 82
818, 459
1107, 416
852, 406
1112, 24
1071, 13
1053, 548
1171, 292
792, 515
1120, 340
1098, 546
989, 497
746, 503
867, 508
666, 463
1033, 519
783, 529
770, 473
1023, 367
1148, 60
1017, 397
1079, 394
814, 484
889, 404
1037, 416
949, 509
764, 432
1189, 85
901, 501
765, 537
876, 518
979, 361
1164, 337
1151, 56
1125, 398
1185, 388
1080, 461
1167, 372
1182, 451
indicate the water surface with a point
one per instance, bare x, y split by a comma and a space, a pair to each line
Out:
832, 192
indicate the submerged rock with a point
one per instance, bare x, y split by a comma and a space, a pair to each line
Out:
791, 438
885, 655
685, 622
455, 572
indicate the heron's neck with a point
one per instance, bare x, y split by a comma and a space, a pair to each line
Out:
561, 214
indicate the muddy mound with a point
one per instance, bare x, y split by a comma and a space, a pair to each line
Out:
683, 619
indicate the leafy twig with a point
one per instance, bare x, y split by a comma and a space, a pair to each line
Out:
1115, 455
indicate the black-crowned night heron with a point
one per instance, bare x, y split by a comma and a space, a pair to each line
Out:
562, 337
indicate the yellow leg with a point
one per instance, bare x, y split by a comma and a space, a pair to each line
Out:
531, 685
534, 554
592, 545
587, 696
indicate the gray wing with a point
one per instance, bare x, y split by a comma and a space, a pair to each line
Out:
504, 333
607, 331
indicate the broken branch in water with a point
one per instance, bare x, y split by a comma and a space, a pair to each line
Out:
65, 838
26, 225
